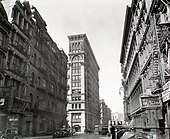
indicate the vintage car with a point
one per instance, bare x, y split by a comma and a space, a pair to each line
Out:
62, 133
10, 133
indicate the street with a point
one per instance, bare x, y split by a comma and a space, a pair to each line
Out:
77, 136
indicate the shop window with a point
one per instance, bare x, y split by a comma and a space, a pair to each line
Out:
42, 124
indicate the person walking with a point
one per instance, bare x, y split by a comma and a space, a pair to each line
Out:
111, 130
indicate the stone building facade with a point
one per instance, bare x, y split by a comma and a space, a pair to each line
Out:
83, 80
105, 113
144, 62
117, 118
33, 76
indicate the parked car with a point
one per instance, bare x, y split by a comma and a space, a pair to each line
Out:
134, 135
103, 129
10, 133
62, 133
121, 132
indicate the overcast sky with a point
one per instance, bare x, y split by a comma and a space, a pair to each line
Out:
102, 21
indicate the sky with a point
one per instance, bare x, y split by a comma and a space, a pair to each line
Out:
102, 21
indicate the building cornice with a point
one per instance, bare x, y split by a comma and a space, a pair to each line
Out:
127, 22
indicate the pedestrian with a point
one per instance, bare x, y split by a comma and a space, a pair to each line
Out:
112, 130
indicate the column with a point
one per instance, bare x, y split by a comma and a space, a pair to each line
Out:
17, 18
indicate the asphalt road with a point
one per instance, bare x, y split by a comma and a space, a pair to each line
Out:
77, 136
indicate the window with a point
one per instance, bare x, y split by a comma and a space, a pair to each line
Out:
44, 83
35, 58
79, 106
75, 106
1, 60
37, 45
39, 62
42, 124
1, 80
21, 43
52, 88
1, 39
17, 62
31, 100
38, 81
32, 78
37, 102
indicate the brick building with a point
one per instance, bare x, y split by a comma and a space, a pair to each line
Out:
33, 76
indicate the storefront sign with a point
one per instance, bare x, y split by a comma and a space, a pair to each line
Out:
150, 101
13, 118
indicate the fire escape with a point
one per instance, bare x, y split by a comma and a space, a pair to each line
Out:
20, 103
159, 50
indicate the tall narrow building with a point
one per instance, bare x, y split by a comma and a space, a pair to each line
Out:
83, 82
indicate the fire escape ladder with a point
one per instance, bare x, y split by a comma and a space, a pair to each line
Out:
157, 58
25, 81
23, 107
10, 102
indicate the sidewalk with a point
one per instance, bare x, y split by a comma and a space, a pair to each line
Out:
38, 137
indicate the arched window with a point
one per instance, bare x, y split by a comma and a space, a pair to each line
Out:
1, 39
39, 62
1, 80
32, 78
44, 82
37, 102
35, 58
31, 100
38, 81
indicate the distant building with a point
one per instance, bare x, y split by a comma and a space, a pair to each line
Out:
33, 74
83, 81
105, 113
117, 118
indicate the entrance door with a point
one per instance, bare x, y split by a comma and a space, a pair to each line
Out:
28, 123
34, 126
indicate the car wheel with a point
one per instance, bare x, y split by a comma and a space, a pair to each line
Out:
16, 137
